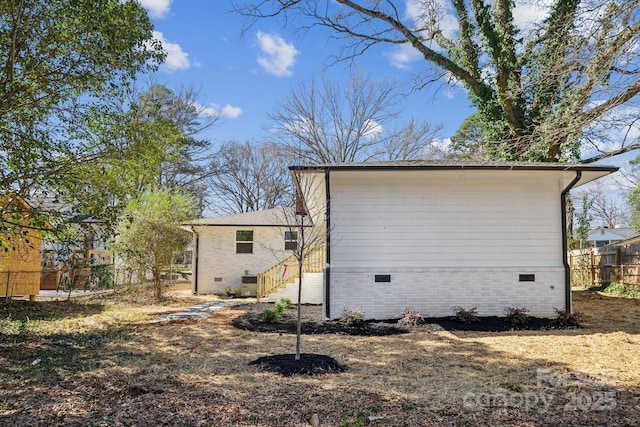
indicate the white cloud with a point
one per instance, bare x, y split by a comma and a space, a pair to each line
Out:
156, 8
277, 56
212, 110
402, 56
442, 144
177, 59
372, 129
421, 13
230, 111
527, 15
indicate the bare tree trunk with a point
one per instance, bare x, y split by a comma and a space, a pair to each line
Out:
300, 260
157, 283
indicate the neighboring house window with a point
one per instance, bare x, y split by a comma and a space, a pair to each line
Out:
244, 241
290, 240
601, 243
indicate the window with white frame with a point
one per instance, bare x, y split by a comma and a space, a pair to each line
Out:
244, 241
290, 240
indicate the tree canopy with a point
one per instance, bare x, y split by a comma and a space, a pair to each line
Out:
549, 90
59, 63
146, 141
150, 236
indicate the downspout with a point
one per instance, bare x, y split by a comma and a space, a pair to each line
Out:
327, 272
194, 260
565, 248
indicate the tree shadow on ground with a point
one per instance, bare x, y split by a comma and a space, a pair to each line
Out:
19, 310
199, 372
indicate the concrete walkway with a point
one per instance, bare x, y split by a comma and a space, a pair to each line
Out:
53, 295
202, 310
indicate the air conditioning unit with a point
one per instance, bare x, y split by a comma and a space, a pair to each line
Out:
249, 285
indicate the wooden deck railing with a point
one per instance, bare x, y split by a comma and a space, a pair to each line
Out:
76, 272
286, 271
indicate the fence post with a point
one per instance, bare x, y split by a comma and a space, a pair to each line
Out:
619, 266
592, 268
6, 293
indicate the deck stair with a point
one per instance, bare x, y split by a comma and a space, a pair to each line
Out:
285, 274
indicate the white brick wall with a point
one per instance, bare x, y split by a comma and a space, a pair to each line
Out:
433, 291
217, 256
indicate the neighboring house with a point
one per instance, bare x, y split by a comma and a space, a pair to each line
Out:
230, 252
68, 263
605, 236
431, 235
20, 252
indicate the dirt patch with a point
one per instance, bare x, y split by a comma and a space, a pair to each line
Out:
105, 365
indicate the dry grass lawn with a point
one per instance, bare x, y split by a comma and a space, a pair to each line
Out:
99, 362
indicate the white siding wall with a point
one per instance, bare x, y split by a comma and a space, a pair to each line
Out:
447, 238
217, 256
311, 290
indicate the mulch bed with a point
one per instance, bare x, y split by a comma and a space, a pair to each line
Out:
308, 364
313, 324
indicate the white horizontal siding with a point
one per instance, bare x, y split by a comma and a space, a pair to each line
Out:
445, 219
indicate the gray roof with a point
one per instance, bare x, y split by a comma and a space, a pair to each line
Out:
457, 164
623, 232
583, 173
278, 217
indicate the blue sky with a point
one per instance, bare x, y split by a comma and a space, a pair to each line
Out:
244, 76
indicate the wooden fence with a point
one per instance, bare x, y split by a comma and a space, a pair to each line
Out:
602, 266
20, 282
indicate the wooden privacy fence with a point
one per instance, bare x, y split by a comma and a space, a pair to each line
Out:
20, 282
606, 265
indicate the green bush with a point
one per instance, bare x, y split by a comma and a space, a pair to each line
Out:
282, 305
286, 302
465, 316
622, 290
104, 274
516, 315
271, 315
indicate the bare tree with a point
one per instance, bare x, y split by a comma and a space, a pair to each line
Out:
607, 207
326, 123
248, 177
628, 179
311, 229
564, 87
